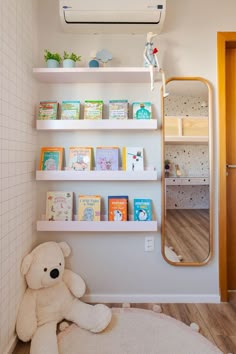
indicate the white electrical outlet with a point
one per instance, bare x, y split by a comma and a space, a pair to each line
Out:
149, 243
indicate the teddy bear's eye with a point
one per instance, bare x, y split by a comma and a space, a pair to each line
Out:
59, 264
45, 269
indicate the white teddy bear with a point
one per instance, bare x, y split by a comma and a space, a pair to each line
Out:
52, 295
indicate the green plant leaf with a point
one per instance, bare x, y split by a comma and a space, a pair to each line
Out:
49, 55
71, 56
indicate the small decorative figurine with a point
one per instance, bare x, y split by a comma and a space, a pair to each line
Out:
104, 56
93, 63
151, 61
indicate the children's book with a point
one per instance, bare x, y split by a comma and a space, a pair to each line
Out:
118, 208
132, 159
70, 110
48, 110
89, 208
142, 209
118, 109
142, 110
51, 158
107, 158
93, 109
59, 206
80, 158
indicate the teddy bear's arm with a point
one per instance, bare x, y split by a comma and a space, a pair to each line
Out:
26, 323
74, 282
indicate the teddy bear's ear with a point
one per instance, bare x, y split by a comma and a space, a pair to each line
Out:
65, 248
26, 263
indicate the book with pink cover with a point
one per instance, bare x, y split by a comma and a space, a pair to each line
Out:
107, 158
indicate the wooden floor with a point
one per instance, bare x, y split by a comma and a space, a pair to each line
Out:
217, 322
187, 231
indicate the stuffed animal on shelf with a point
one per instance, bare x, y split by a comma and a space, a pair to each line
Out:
53, 295
151, 61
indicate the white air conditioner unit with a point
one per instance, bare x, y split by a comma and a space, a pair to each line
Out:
112, 16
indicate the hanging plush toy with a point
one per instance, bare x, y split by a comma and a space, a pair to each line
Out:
53, 295
151, 61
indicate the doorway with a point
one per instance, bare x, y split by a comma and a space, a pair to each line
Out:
226, 45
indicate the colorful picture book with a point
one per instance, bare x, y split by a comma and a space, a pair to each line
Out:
107, 158
70, 110
48, 110
89, 208
142, 209
142, 110
80, 158
51, 158
118, 208
133, 159
118, 109
59, 206
93, 109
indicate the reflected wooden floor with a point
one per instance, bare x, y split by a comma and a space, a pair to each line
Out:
187, 231
216, 321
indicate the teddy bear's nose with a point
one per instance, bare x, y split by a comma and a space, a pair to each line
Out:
54, 273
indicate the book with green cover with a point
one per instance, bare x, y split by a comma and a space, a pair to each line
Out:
93, 109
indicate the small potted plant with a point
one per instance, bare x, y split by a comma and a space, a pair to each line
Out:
167, 168
69, 60
52, 59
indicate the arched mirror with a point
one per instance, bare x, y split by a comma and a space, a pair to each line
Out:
187, 172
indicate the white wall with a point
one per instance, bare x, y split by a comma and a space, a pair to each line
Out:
17, 156
116, 266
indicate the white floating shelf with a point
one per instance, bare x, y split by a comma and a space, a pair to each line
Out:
103, 124
93, 75
148, 175
170, 181
186, 139
98, 226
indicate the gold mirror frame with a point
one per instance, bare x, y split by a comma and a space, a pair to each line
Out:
211, 185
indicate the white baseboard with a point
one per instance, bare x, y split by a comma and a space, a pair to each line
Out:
11, 345
161, 299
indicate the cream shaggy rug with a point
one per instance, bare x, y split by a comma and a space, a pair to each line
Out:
136, 331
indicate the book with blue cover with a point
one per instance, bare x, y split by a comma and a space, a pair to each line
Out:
142, 209
70, 110
142, 110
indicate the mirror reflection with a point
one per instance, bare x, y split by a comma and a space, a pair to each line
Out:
187, 162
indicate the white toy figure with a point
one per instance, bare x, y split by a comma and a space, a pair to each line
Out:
151, 61
53, 295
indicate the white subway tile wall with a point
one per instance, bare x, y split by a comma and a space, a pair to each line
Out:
18, 95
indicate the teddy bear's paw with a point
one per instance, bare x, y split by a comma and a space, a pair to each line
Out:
102, 318
157, 308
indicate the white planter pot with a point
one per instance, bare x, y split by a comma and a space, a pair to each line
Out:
52, 63
68, 63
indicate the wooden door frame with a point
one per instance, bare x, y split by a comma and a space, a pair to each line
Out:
224, 40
